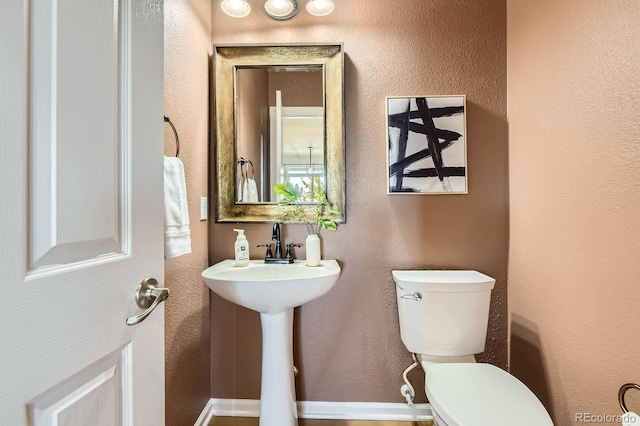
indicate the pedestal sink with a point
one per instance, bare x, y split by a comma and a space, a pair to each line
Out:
274, 290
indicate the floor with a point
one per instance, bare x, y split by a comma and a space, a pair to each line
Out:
253, 421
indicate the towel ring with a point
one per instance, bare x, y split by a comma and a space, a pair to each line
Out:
242, 161
175, 133
253, 171
623, 390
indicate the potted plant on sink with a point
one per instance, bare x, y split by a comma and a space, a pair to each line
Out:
320, 216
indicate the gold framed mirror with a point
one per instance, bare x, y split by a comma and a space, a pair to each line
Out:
278, 116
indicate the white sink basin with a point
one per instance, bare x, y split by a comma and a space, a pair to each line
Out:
271, 288
274, 290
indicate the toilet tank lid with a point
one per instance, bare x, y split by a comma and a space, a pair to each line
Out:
468, 394
443, 280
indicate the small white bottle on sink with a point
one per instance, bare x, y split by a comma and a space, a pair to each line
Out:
313, 250
241, 249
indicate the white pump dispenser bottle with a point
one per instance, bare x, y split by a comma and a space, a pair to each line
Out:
241, 249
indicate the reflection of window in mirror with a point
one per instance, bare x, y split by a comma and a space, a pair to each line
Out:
280, 129
299, 147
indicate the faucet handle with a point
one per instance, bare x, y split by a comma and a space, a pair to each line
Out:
289, 253
269, 252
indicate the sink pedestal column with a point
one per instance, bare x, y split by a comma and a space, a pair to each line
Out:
278, 395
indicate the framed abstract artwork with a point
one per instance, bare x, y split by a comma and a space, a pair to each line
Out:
427, 138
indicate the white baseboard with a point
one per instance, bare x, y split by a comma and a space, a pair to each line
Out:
320, 410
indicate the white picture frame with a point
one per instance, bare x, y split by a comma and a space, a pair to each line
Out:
418, 126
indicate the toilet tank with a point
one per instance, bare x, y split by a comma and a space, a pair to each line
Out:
443, 313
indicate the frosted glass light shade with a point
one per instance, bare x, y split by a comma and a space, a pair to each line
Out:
281, 9
236, 8
320, 7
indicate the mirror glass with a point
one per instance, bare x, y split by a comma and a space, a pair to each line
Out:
278, 117
279, 129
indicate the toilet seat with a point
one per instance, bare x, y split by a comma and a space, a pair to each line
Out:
467, 394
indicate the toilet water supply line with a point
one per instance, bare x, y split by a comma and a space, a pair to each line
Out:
407, 390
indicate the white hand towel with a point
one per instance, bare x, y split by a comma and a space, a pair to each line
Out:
630, 419
245, 191
177, 236
250, 193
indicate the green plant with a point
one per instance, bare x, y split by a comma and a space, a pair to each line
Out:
299, 198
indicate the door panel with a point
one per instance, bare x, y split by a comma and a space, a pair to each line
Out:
77, 59
99, 388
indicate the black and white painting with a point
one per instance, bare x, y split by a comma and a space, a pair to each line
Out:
427, 145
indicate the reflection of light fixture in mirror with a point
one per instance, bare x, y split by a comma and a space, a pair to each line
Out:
320, 7
236, 8
281, 9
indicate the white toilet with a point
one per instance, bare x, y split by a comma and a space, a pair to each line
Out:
443, 320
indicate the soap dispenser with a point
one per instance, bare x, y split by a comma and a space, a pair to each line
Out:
241, 249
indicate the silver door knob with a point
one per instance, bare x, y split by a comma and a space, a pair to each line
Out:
148, 296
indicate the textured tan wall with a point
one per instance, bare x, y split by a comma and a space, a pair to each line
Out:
252, 104
574, 160
347, 343
187, 335
298, 88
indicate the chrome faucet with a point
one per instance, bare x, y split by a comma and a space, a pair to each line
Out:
275, 236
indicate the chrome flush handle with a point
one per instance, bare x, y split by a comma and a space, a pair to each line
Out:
415, 296
148, 296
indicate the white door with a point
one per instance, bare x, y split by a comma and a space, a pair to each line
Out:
81, 116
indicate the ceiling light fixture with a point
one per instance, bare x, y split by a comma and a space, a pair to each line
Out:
236, 8
281, 9
320, 7
277, 9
